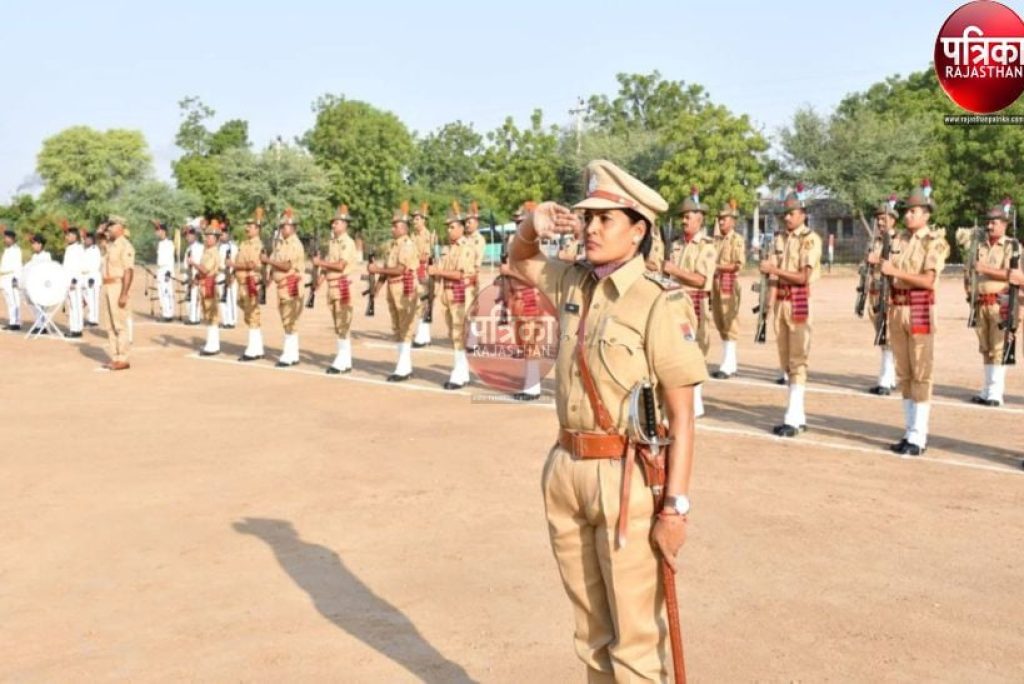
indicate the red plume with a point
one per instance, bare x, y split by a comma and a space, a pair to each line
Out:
64, 225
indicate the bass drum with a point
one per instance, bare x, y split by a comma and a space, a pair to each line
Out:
46, 284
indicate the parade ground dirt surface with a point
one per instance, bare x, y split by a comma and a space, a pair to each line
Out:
206, 520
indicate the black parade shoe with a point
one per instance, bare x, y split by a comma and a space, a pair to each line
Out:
394, 377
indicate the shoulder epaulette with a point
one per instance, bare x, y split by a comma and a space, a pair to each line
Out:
664, 283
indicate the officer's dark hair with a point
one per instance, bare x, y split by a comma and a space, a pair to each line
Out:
40, 239
74, 231
11, 234
645, 244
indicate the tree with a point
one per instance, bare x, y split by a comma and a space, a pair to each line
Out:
715, 150
366, 153
148, 200
645, 102
198, 169
85, 169
448, 160
279, 177
860, 156
519, 165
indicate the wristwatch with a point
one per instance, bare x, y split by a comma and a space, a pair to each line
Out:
680, 504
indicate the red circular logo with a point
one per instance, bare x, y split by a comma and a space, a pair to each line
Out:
514, 330
979, 56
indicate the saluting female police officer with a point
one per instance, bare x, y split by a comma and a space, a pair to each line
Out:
618, 326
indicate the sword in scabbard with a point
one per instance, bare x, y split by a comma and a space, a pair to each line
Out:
644, 431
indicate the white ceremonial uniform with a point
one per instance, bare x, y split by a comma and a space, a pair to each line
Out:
164, 273
10, 279
74, 266
92, 258
37, 258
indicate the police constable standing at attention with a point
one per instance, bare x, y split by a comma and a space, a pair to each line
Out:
993, 291
692, 263
206, 270
118, 272
886, 216
403, 294
914, 266
458, 265
425, 241
246, 266
794, 265
337, 270
619, 328
288, 263
725, 291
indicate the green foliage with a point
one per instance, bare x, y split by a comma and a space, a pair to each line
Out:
715, 150
199, 169
85, 169
519, 165
645, 102
447, 160
366, 153
279, 177
143, 202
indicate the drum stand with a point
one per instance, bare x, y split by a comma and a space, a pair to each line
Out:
44, 322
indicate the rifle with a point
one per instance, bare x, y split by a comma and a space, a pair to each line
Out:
761, 334
655, 467
882, 334
229, 275
371, 290
314, 274
428, 314
1009, 326
972, 277
864, 273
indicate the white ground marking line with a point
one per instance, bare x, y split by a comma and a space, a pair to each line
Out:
866, 450
880, 452
433, 349
867, 395
345, 377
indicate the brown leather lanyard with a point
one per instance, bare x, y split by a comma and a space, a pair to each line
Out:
604, 419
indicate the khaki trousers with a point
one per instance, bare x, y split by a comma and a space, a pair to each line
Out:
249, 305
115, 320
913, 355
793, 340
990, 337
726, 311
616, 594
290, 309
404, 312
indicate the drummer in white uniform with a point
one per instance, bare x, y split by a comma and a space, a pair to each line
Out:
91, 266
74, 266
164, 272
10, 279
39, 256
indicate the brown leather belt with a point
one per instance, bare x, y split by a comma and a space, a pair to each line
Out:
111, 281
587, 445
989, 298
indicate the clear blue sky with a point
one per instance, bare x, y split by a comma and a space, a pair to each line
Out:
110, 64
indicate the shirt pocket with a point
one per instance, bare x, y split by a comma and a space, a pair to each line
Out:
621, 350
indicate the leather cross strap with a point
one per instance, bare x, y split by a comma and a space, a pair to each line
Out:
604, 421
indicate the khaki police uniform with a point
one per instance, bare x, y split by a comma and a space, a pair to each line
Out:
457, 257
914, 351
289, 283
341, 248
794, 251
725, 306
633, 329
479, 246
247, 275
698, 256
118, 258
403, 290
993, 298
210, 263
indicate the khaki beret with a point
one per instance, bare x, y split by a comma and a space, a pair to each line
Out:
609, 187
111, 220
